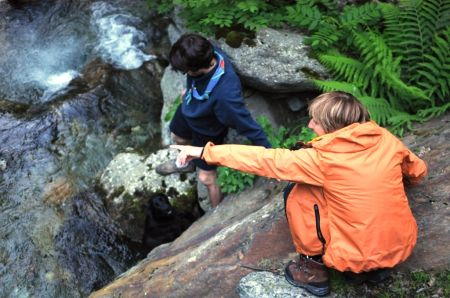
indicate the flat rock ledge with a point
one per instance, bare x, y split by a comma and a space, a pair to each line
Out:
130, 179
268, 285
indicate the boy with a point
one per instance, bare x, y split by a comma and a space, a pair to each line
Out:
348, 200
212, 103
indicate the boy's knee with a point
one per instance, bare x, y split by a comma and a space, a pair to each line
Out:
179, 140
207, 177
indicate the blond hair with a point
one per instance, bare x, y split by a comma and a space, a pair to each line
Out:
335, 110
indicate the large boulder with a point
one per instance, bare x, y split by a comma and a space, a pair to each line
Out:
130, 180
278, 62
430, 200
210, 258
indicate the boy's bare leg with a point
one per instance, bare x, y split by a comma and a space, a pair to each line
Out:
209, 179
179, 140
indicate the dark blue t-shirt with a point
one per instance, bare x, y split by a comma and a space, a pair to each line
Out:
224, 108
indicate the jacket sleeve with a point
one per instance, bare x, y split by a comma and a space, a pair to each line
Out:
231, 111
413, 168
300, 166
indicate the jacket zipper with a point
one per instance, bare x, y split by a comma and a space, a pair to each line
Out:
319, 232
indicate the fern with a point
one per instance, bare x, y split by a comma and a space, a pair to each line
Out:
379, 109
346, 68
329, 86
354, 16
427, 114
386, 81
398, 122
304, 15
325, 37
410, 28
433, 75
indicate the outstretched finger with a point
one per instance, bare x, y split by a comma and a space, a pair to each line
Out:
179, 147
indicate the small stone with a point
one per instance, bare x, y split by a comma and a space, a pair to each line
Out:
50, 276
3, 165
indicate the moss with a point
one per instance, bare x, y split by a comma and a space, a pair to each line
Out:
118, 191
234, 39
310, 74
184, 203
410, 284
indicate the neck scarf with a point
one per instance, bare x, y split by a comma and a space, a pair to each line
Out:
192, 92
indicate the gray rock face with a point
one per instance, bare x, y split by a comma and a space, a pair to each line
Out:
279, 62
130, 179
172, 84
268, 285
430, 200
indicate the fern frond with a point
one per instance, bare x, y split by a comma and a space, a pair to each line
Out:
410, 29
304, 14
398, 122
427, 114
386, 82
329, 86
325, 37
366, 14
433, 75
346, 68
379, 109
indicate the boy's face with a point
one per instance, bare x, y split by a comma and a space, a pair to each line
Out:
202, 71
316, 127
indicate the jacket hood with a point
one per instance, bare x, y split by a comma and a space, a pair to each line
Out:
353, 138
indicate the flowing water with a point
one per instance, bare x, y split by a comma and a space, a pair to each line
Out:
55, 138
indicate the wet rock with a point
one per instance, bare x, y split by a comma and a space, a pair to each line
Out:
58, 191
90, 248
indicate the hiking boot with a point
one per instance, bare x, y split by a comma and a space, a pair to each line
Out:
308, 274
170, 167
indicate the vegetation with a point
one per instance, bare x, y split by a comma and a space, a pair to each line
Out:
402, 285
400, 71
394, 58
232, 181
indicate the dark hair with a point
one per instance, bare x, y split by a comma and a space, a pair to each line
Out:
191, 52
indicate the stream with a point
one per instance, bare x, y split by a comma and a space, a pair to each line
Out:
75, 90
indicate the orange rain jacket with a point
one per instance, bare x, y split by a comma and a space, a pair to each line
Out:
353, 177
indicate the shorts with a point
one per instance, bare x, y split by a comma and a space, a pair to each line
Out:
181, 128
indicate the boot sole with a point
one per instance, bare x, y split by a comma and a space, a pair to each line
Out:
312, 289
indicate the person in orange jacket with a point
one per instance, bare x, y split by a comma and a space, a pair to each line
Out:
347, 208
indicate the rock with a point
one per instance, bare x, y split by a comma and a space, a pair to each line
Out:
279, 62
295, 104
3, 165
268, 285
172, 85
130, 179
430, 200
90, 248
210, 258
163, 223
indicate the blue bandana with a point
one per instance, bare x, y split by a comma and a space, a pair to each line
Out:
192, 92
